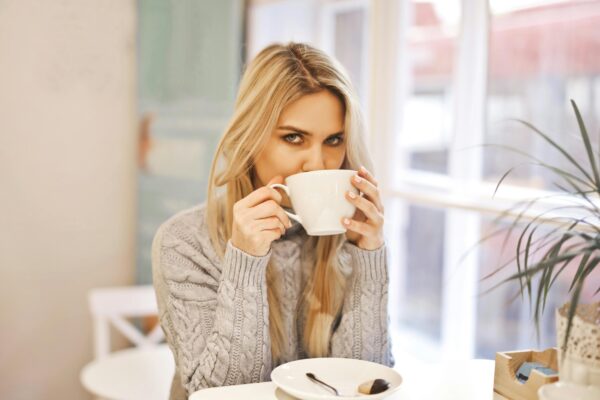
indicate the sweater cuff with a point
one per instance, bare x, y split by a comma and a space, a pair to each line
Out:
371, 264
244, 269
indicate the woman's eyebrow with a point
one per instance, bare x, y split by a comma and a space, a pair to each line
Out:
293, 128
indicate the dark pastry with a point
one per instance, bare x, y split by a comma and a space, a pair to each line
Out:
374, 387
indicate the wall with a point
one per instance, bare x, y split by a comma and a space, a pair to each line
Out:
189, 66
67, 180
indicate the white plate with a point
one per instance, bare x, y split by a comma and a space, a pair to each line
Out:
344, 374
564, 390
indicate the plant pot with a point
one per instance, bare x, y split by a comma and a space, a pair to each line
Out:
580, 363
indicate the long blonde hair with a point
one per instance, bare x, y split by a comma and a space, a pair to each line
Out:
279, 75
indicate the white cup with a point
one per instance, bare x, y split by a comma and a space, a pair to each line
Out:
318, 198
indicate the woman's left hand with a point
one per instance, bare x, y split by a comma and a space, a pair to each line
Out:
365, 229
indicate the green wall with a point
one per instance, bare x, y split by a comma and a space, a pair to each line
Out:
189, 63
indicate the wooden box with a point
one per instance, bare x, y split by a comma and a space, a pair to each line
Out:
507, 365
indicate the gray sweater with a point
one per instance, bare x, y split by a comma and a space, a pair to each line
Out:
215, 313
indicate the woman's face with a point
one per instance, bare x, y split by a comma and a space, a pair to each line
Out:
309, 136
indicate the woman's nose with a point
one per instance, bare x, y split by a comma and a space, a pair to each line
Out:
314, 160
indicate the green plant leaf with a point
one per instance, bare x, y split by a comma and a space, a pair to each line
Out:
581, 272
574, 239
540, 163
586, 141
540, 242
502, 179
541, 265
560, 149
546, 279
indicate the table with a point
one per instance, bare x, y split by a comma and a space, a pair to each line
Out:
132, 374
456, 380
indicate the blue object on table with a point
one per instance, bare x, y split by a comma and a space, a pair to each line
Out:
525, 370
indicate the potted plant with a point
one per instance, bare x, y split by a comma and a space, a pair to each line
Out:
552, 238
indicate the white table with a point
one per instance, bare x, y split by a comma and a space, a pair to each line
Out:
457, 380
132, 374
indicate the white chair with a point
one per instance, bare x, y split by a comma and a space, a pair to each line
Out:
113, 306
142, 372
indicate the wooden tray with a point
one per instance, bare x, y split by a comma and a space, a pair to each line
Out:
507, 364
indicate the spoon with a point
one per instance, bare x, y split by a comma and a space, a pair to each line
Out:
370, 387
313, 378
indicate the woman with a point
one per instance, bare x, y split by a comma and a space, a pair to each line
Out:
240, 287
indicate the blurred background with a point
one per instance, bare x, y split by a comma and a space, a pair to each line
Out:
110, 112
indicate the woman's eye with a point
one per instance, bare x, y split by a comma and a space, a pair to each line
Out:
293, 138
335, 140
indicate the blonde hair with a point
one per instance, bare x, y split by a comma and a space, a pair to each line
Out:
279, 75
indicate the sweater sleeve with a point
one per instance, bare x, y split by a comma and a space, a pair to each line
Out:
215, 317
363, 332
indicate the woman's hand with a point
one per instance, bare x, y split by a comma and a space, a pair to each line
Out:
258, 220
365, 229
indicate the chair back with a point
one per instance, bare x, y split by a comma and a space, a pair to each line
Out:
112, 306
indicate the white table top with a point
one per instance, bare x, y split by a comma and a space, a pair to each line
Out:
132, 374
457, 380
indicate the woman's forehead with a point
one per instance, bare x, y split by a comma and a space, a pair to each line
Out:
319, 113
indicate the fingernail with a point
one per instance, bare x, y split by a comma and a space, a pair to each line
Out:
357, 179
352, 195
289, 224
346, 221
363, 169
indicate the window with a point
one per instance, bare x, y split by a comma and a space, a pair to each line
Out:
540, 57
423, 140
438, 82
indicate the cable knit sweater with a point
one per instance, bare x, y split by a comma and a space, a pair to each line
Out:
215, 312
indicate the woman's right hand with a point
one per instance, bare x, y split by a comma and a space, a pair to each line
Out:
258, 220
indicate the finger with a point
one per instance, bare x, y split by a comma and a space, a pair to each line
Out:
259, 196
269, 224
363, 172
362, 228
277, 179
272, 234
368, 189
269, 208
359, 215
367, 207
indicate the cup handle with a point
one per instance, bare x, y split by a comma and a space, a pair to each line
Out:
287, 191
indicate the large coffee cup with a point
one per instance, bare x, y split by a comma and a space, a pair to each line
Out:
318, 198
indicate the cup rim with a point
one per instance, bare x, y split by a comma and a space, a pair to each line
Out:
323, 171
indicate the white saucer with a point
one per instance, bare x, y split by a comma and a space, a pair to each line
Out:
344, 374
